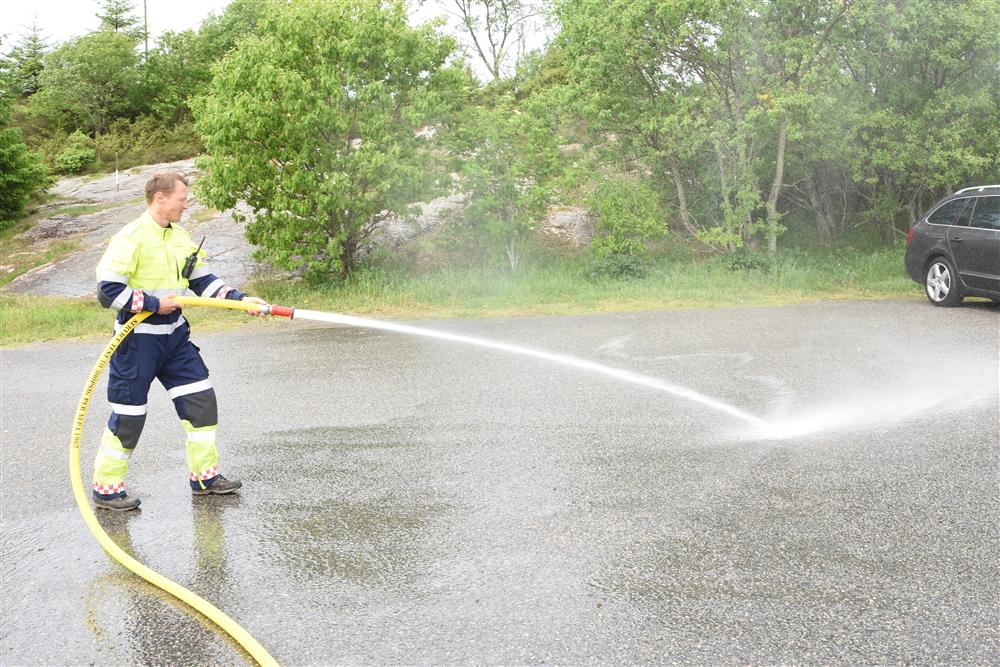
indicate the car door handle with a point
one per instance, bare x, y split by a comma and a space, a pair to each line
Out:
956, 239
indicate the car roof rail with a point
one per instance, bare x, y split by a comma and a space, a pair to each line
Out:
976, 187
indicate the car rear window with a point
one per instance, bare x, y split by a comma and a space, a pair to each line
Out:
987, 213
950, 213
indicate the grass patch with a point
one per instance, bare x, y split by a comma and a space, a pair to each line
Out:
35, 319
562, 287
18, 258
559, 287
80, 209
202, 215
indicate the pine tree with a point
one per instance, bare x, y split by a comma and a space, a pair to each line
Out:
27, 61
117, 16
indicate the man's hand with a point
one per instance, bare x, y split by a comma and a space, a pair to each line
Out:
254, 299
167, 305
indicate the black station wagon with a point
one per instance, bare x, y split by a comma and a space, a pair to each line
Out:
954, 249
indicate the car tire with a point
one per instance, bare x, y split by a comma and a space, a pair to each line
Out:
942, 284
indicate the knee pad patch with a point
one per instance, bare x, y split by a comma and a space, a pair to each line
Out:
127, 428
200, 409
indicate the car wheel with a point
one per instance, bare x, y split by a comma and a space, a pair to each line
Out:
942, 283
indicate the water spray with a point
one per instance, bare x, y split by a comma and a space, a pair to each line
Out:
564, 359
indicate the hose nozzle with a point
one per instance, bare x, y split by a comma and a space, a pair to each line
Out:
278, 311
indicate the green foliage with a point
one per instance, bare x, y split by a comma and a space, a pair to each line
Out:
89, 82
316, 123
146, 140
749, 260
180, 67
77, 156
930, 123
22, 173
617, 267
628, 216
117, 17
509, 160
26, 61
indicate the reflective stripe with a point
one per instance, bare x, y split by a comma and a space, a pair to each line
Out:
115, 454
200, 272
122, 299
213, 287
110, 277
158, 329
192, 388
201, 436
130, 410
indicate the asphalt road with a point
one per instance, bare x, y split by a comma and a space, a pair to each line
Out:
412, 501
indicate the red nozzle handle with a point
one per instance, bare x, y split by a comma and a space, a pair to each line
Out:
283, 311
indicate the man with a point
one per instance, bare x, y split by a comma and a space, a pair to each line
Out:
143, 269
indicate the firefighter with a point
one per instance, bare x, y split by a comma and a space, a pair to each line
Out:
149, 262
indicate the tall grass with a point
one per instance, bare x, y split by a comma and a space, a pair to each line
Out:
562, 286
558, 286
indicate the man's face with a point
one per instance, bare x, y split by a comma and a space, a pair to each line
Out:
173, 204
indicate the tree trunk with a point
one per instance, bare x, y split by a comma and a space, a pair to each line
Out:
772, 200
724, 184
513, 259
824, 217
682, 198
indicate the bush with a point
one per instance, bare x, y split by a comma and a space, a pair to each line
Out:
22, 174
748, 260
617, 267
628, 216
77, 156
146, 140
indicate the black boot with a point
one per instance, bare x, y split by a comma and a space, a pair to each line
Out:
218, 485
123, 503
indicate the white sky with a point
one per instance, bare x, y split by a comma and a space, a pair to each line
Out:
61, 20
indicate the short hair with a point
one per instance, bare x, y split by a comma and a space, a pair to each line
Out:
164, 182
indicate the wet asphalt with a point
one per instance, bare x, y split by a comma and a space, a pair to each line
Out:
410, 501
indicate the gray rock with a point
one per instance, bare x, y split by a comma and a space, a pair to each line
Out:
230, 255
228, 252
568, 225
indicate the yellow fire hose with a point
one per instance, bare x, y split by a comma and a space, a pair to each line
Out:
228, 625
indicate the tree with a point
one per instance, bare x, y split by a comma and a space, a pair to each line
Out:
497, 30
681, 78
7, 85
22, 173
116, 16
315, 122
90, 81
27, 61
180, 67
219, 33
932, 118
624, 87
509, 162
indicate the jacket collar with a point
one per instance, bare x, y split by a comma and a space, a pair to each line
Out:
147, 218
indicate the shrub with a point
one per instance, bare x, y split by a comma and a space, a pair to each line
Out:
617, 266
628, 216
77, 156
748, 260
22, 174
146, 140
